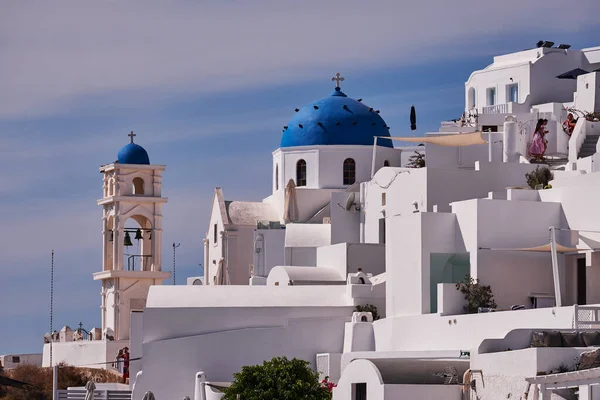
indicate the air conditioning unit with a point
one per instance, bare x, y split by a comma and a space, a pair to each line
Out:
327, 220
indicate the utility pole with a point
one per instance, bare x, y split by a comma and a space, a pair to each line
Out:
51, 305
174, 247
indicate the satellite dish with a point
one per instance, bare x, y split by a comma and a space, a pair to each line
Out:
349, 201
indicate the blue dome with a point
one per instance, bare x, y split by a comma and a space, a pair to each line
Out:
335, 120
133, 154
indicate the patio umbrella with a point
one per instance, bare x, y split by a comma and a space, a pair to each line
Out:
572, 74
149, 396
413, 118
222, 273
89, 390
291, 203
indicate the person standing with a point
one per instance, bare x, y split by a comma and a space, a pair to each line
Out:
538, 147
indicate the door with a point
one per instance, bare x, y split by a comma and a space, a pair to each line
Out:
581, 282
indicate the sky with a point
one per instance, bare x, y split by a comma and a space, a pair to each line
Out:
207, 87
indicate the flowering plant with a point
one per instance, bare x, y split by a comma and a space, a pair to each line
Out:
326, 383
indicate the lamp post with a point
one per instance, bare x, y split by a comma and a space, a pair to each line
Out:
174, 247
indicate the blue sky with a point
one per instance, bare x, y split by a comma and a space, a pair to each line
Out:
207, 88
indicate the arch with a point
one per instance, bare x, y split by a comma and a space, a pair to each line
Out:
472, 101
301, 173
386, 163
349, 171
276, 177
140, 255
138, 185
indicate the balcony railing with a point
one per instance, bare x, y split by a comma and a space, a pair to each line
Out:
496, 109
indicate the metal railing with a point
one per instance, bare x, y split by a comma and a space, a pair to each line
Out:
496, 109
98, 394
586, 317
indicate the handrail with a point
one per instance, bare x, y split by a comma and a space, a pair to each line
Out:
131, 265
577, 138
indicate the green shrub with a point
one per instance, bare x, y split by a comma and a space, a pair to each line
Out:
278, 379
476, 295
540, 176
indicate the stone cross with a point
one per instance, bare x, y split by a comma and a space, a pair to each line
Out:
132, 135
337, 78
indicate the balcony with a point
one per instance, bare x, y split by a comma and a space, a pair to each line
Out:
496, 109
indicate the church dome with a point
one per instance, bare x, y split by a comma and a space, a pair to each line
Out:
335, 120
133, 154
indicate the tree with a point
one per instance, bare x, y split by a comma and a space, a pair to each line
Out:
369, 308
540, 176
416, 161
277, 379
476, 294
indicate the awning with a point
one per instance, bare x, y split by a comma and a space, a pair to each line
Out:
453, 140
546, 248
572, 74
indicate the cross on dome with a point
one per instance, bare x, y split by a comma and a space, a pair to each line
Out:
132, 135
337, 79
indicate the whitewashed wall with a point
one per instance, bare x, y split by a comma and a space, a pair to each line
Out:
272, 250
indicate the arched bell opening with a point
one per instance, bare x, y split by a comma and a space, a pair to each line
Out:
137, 244
109, 233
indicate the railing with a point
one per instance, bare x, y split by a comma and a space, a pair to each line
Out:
143, 259
586, 317
496, 109
98, 394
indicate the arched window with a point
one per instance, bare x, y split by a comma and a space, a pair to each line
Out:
138, 186
386, 163
472, 100
276, 176
301, 173
349, 171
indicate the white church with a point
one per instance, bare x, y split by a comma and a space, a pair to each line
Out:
351, 222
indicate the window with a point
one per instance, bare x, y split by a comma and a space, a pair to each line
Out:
16, 359
301, 173
512, 93
138, 186
472, 99
215, 234
491, 96
382, 230
349, 171
276, 176
383, 199
386, 163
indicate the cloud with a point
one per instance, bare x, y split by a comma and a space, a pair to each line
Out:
79, 50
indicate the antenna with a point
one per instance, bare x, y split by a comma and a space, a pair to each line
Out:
51, 304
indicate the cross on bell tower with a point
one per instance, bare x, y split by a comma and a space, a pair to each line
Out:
337, 79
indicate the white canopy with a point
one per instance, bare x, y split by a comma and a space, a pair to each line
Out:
452, 140
546, 248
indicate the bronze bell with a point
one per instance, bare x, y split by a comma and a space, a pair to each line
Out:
127, 240
138, 234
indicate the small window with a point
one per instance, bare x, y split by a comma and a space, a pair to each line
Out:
16, 359
138, 186
301, 173
276, 177
512, 93
349, 171
491, 96
215, 233
383, 199
386, 163
472, 99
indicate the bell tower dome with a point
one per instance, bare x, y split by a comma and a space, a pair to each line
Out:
132, 236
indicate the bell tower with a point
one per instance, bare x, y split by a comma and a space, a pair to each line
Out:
132, 237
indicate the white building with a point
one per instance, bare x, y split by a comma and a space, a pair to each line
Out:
132, 259
9, 361
348, 224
